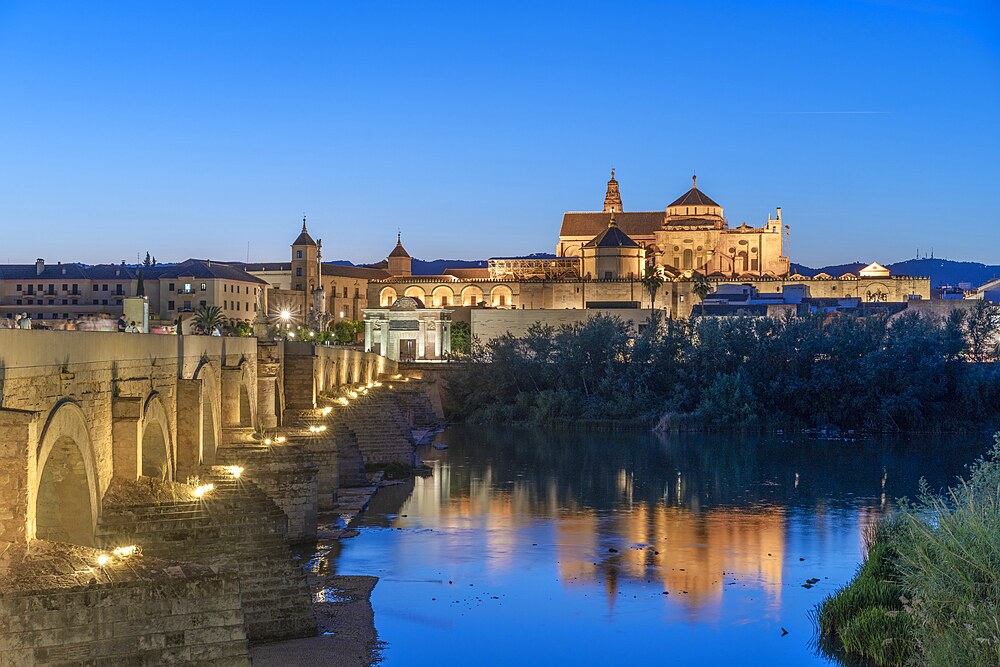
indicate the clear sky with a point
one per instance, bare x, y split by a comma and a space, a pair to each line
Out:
193, 128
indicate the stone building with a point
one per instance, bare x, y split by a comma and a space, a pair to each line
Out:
603, 256
408, 331
61, 295
313, 292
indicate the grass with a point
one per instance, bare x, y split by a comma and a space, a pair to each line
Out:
928, 592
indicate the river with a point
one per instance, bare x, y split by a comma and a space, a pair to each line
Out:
534, 547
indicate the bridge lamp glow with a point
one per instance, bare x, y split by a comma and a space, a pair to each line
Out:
352, 394
267, 441
103, 560
370, 385
378, 384
285, 315
203, 489
280, 439
125, 552
327, 410
235, 471
343, 400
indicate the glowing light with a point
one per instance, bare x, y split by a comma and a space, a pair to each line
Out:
235, 471
125, 552
352, 394
369, 385
291, 334
378, 384
343, 401
103, 560
280, 439
203, 489
317, 429
267, 441
286, 315
312, 334
327, 410
398, 375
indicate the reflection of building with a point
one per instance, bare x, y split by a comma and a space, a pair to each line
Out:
686, 550
408, 331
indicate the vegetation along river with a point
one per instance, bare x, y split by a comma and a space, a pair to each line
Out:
537, 547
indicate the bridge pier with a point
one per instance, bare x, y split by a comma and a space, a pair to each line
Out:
126, 438
190, 414
18, 433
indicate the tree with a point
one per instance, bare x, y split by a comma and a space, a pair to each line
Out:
461, 338
148, 262
702, 287
652, 282
208, 318
347, 331
982, 327
140, 286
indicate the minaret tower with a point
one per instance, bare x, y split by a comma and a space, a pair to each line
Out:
613, 198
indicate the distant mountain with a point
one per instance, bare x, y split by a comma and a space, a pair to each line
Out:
940, 271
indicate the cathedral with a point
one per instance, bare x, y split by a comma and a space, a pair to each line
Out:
691, 234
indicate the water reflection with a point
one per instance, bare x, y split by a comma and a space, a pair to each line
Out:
713, 533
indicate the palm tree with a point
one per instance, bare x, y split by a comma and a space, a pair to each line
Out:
702, 287
652, 282
208, 318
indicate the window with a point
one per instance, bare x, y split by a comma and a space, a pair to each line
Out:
298, 271
96, 287
18, 303
65, 287
95, 302
104, 288
298, 254
31, 289
170, 305
246, 306
65, 301
170, 286
52, 302
118, 289
225, 287
203, 303
104, 302
345, 292
19, 288
298, 285
76, 289
357, 292
52, 288
204, 287
607, 275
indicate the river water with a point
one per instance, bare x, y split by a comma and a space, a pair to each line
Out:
533, 547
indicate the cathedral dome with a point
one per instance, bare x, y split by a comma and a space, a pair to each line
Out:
694, 209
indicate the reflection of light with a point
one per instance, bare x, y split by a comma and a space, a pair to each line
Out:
103, 559
235, 471
280, 439
352, 394
327, 410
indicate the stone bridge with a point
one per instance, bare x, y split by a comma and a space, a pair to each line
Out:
103, 439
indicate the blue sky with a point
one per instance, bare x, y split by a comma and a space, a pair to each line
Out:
193, 128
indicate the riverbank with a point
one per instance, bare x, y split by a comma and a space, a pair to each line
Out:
927, 591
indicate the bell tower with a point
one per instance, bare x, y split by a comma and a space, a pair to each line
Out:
613, 198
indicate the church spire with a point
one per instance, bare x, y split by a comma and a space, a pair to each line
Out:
694, 181
304, 223
613, 198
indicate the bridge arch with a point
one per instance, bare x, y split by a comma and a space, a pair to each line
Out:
65, 502
157, 444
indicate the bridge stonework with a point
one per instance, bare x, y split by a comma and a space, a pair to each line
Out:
102, 439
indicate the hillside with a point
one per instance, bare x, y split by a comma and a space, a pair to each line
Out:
940, 271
